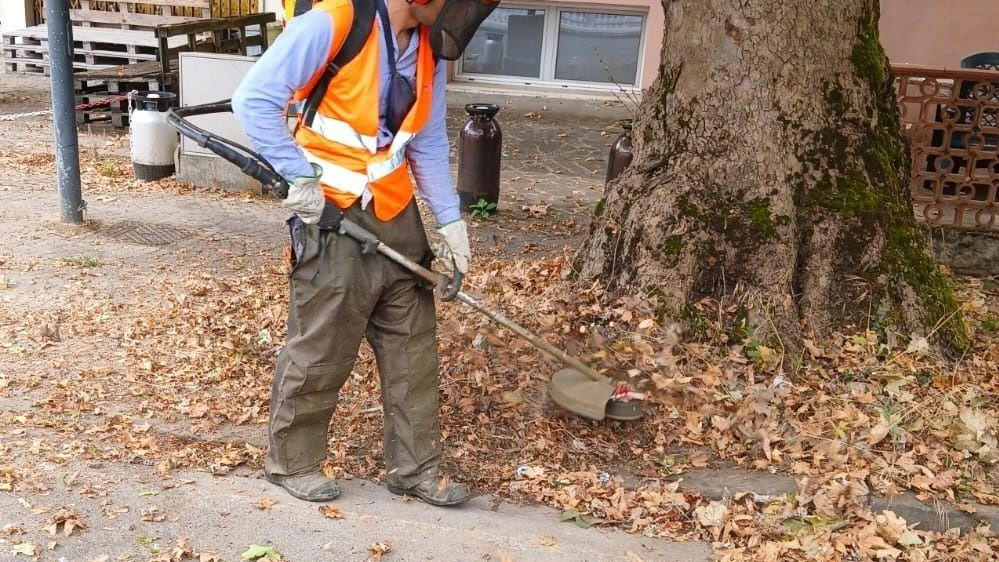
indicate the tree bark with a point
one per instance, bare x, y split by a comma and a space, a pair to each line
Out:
770, 168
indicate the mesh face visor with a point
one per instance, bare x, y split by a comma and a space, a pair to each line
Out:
456, 24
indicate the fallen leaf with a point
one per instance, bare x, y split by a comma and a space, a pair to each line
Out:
69, 521
380, 549
27, 549
575, 517
711, 515
878, 433
813, 349
536, 211
909, 538
918, 345
152, 514
331, 512
262, 553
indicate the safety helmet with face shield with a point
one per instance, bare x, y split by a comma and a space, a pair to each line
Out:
456, 24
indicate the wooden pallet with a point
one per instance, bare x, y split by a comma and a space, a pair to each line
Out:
26, 50
219, 8
96, 85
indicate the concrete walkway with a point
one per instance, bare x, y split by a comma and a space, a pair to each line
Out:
133, 515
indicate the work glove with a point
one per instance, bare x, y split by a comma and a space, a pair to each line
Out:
305, 196
453, 249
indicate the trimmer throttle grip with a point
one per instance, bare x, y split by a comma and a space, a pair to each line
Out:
448, 289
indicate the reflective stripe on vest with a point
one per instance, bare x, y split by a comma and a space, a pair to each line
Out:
341, 132
354, 182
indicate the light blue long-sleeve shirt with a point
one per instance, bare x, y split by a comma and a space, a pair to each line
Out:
298, 53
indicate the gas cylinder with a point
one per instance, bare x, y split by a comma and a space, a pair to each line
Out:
620, 153
479, 152
152, 140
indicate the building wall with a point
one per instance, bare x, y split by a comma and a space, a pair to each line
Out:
922, 32
272, 6
936, 33
655, 24
12, 15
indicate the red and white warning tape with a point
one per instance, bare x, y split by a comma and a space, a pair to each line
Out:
81, 107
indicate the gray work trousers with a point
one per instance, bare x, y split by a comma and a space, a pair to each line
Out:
337, 297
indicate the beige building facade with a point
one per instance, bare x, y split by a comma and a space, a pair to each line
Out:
938, 33
577, 45
597, 45
587, 44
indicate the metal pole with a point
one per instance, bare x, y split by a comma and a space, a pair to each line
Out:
63, 110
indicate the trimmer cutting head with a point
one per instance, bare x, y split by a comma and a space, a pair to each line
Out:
578, 393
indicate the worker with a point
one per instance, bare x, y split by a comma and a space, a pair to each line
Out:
369, 124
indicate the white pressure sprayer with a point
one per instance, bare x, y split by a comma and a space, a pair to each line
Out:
152, 140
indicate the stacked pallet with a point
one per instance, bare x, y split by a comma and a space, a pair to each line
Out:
105, 34
93, 87
27, 50
126, 45
220, 8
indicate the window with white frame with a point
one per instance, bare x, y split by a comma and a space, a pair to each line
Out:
550, 44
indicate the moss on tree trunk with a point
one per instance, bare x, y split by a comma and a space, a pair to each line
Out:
770, 167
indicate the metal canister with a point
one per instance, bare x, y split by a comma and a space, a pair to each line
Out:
479, 153
620, 152
151, 138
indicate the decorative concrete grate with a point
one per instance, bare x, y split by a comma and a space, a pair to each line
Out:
144, 233
952, 122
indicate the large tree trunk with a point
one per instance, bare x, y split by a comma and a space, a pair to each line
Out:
770, 165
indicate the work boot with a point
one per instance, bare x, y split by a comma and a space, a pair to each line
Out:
436, 491
311, 486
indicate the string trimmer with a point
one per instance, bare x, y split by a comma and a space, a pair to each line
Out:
577, 388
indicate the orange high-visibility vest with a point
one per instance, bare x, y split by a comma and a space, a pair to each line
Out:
342, 138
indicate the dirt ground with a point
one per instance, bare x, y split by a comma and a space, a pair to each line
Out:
77, 300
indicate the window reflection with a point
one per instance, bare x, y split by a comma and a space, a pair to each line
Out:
596, 47
508, 43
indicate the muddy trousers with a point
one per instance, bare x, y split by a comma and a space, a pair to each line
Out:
337, 297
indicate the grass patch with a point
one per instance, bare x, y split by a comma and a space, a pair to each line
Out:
80, 261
